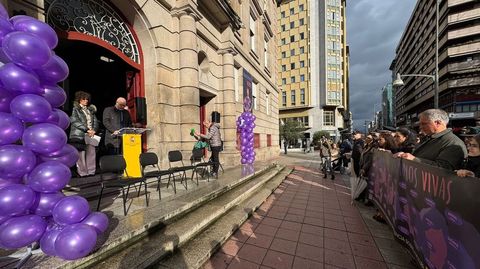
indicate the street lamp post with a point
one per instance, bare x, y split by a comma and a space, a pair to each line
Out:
399, 82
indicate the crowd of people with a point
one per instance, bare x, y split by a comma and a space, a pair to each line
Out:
434, 144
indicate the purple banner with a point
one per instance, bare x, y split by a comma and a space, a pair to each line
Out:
434, 212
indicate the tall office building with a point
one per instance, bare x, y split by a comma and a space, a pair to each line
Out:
313, 64
458, 62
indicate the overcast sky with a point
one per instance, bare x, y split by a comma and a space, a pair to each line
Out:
374, 28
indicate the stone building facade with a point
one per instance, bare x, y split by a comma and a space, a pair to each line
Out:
186, 58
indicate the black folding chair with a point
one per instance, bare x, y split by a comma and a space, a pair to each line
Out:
151, 159
175, 156
116, 164
198, 160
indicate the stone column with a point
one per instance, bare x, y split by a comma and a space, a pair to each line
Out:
188, 87
229, 107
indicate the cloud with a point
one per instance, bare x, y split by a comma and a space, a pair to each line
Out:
374, 28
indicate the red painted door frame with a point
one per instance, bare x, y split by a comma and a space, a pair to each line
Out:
137, 78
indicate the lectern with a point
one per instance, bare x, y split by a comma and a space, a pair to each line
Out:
132, 148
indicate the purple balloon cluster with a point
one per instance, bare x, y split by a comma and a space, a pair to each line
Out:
245, 125
34, 154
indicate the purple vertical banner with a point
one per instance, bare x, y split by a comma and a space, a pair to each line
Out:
431, 210
247, 89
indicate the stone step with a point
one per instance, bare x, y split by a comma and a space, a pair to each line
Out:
197, 251
125, 231
161, 242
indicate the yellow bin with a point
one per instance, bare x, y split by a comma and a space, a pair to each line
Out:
132, 148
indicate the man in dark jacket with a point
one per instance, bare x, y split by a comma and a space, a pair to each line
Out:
115, 118
441, 147
357, 151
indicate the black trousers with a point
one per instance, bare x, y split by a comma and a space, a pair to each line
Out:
215, 158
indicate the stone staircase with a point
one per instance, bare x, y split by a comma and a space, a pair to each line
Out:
181, 231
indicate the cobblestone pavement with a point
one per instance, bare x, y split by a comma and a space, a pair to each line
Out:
309, 222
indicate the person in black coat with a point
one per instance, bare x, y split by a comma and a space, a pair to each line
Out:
357, 152
83, 122
115, 118
405, 139
472, 164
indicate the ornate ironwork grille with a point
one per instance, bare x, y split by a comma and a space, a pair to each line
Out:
94, 18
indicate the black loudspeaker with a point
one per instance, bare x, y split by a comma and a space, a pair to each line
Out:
216, 116
141, 110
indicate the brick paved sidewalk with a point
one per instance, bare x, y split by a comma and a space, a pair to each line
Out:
308, 222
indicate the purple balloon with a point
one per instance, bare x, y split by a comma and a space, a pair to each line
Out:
26, 49
59, 118
97, 220
15, 199
17, 80
44, 138
17, 18
5, 98
48, 177
3, 219
45, 202
11, 128
55, 70
4, 183
47, 242
71, 210
68, 155
3, 12
16, 161
55, 95
75, 241
21, 231
39, 29
30, 108
5, 28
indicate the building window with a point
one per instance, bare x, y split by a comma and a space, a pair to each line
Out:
300, 7
284, 81
284, 68
302, 50
328, 118
283, 14
302, 77
252, 33
283, 41
256, 140
283, 27
269, 140
302, 35
292, 66
254, 95
292, 97
284, 54
292, 79
292, 25
265, 51
292, 52
302, 63
284, 98
301, 22
292, 11
302, 96
267, 103
236, 73
292, 38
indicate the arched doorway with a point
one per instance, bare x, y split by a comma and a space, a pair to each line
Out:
95, 70
102, 52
